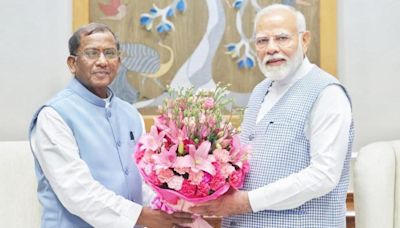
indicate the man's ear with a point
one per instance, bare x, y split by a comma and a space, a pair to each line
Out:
71, 60
305, 40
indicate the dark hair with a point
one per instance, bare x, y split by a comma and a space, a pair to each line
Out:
86, 30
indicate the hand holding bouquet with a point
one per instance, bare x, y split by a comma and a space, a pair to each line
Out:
191, 153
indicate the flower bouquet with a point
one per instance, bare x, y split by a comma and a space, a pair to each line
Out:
192, 154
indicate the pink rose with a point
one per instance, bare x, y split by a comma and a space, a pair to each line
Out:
236, 179
226, 169
217, 182
188, 189
164, 175
221, 155
208, 103
196, 177
203, 189
175, 183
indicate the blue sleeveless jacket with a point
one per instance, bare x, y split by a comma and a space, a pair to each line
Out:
105, 137
280, 148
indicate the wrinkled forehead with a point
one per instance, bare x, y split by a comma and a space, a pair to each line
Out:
275, 22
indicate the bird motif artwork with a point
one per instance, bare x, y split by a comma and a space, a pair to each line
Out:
144, 60
182, 44
114, 10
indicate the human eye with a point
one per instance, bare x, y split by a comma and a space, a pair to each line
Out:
92, 53
262, 40
282, 38
110, 53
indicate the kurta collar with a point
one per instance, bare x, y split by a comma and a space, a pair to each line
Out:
82, 91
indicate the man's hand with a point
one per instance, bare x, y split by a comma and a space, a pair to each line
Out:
232, 203
156, 218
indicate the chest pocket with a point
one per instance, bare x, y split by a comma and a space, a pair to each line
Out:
127, 149
282, 126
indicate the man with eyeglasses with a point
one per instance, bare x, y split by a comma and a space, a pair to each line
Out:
299, 122
83, 140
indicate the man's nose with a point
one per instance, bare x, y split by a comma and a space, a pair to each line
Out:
272, 47
102, 60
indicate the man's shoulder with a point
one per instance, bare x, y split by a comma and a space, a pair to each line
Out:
60, 96
322, 76
50, 106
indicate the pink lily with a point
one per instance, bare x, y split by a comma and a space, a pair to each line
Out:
239, 152
161, 122
153, 140
166, 158
175, 134
198, 159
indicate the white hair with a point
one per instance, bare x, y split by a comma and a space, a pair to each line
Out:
301, 21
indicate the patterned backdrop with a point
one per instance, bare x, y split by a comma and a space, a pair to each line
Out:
185, 43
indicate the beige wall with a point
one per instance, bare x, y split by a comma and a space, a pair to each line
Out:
34, 38
369, 65
33, 44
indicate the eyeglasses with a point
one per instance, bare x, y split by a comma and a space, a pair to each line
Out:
94, 53
282, 40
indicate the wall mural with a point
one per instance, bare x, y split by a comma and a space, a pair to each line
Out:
183, 43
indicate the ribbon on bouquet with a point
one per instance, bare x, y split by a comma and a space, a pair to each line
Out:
181, 205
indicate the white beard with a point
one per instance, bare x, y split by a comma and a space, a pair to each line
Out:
277, 73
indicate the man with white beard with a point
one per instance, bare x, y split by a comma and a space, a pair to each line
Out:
299, 123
